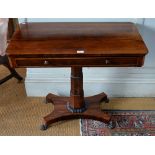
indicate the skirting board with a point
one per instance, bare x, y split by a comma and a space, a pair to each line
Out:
131, 82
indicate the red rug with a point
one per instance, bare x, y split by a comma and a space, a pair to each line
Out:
128, 123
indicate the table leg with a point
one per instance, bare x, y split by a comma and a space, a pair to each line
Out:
76, 106
4, 60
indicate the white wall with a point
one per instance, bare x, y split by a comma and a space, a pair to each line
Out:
117, 82
135, 20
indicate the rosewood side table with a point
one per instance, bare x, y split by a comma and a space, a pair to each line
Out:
76, 45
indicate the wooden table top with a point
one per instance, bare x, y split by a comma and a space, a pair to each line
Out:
65, 39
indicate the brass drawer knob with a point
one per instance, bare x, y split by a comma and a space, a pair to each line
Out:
46, 62
107, 61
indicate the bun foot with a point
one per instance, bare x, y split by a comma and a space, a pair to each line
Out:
107, 100
43, 127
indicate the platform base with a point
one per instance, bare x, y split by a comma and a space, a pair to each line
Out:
61, 111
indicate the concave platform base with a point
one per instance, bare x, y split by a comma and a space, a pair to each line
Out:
76, 106
61, 112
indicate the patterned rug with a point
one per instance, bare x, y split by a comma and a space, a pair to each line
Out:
128, 123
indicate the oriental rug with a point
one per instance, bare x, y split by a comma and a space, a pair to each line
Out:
127, 123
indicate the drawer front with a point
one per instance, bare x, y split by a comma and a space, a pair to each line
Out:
86, 62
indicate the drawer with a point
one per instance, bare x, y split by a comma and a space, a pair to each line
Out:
79, 61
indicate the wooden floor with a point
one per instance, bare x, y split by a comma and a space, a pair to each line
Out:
22, 115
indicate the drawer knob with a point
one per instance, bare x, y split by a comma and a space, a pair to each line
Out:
46, 62
107, 61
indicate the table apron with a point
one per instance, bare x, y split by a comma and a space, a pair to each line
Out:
83, 61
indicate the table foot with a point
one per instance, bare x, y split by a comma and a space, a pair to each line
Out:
61, 111
107, 100
43, 127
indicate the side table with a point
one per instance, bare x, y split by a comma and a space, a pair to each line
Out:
76, 45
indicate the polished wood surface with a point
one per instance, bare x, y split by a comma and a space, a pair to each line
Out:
64, 39
62, 113
58, 44
82, 61
76, 45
